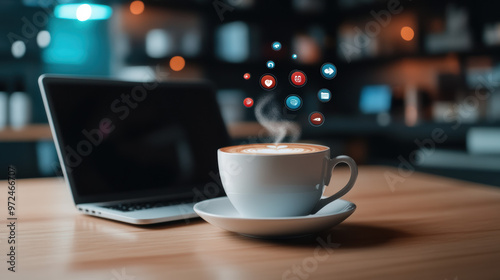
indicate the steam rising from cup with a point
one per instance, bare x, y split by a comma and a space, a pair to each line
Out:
269, 115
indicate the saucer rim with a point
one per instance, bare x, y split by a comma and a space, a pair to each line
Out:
351, 207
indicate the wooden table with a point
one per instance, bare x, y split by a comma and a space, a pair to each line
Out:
426, 227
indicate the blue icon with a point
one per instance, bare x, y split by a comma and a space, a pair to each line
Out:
324, 95
328, 71
293, 102
294, 56
276, 46
270, 64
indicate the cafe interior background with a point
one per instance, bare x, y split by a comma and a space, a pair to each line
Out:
407, 71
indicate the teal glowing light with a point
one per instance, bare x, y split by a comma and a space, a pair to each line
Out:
83, 12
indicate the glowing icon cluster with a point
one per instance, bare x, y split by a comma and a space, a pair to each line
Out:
298, 79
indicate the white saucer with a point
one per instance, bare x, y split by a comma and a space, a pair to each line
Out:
221, 213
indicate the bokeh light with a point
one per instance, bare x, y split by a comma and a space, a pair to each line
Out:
83, 12
177, 63
407, 33
159, 43
18, 49
137, 7
43, 38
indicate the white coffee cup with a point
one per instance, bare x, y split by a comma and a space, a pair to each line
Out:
262, 183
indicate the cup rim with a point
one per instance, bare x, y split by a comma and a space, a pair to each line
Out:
274, 155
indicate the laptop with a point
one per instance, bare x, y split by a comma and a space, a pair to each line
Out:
140, 153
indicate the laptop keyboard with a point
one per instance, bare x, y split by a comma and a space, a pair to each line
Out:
136, 206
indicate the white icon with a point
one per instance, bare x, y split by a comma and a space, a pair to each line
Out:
121, 276
276, 46
328, 71
317, 119
298, 79
270, 64
249, 102
294, 102
268, 83
325, 95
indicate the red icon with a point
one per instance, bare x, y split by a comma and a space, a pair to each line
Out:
298, 78
246, 76
248, 102
316, 119
268, 82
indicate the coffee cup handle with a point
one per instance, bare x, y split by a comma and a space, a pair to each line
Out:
329, 170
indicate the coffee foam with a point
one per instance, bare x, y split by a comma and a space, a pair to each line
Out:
270, 149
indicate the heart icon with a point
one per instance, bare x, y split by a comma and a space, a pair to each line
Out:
268, 82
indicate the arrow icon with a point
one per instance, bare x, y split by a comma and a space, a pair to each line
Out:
328, 71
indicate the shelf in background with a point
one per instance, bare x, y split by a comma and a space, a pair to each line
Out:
240, 130
29, 133
39, 132
335, 125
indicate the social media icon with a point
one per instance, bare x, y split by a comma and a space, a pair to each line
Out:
328, 71
316, 119
246, 76
248, 102
268, 82
270, 64
293, 102
276, 46
324, 95
298, 78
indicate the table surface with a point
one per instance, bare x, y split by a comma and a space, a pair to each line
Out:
415, 227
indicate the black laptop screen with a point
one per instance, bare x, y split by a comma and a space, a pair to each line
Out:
122, 140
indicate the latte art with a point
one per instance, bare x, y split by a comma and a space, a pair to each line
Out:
270, 149
283, 149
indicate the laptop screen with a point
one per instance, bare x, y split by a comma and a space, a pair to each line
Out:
124, 140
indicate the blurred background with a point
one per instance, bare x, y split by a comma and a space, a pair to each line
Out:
418, 83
